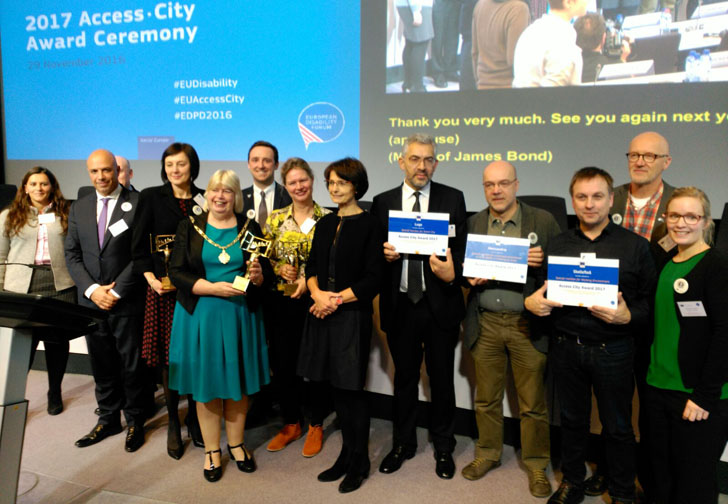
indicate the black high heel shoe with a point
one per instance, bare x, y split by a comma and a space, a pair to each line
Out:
175, 446
193, 430
214, 473
248, 463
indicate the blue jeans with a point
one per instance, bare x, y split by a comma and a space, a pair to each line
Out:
607, 368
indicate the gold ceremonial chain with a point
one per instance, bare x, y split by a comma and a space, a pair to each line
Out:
223, 257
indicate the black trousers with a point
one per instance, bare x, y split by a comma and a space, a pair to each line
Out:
119, 372
684, 454
284, 342
352, 410
415, 332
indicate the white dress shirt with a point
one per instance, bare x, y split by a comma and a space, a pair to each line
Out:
547, 55
408, 201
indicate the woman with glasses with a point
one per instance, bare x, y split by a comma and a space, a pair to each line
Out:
217, 349
687, 397
291, 229
343, 274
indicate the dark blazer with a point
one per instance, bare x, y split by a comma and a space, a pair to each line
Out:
185, 265
358, 260
619, 207
703, 345
534, 220
445, 299
113, 263
281, 198
159, 213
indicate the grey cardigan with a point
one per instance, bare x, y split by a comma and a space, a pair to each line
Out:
20, 248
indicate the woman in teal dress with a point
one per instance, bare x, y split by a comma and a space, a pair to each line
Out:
217, 346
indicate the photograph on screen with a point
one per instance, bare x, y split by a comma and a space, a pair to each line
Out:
441, 45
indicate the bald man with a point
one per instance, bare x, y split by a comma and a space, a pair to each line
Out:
639, 205
99, 258
125, 172
497, 328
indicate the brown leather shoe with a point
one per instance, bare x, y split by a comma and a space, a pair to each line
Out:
538, 483
288, 434
479, 468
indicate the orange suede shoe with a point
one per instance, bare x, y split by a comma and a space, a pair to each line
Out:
314, 440
288, 434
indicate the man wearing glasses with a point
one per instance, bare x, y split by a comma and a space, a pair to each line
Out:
421, 306
496, 328
638, 206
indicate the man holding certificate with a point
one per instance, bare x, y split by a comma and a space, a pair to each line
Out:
503, 255
593, 344
421, 303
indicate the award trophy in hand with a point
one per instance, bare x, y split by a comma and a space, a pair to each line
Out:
257, 247
163, 244
293, 253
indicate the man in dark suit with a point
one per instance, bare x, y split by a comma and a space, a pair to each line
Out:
421, 306
99, 258
638, 206
265, 195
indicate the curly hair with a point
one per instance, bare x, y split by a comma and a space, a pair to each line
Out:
19, 209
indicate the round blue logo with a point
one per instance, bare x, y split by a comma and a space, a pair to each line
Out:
320, 122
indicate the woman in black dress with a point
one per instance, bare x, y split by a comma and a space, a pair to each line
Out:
343, 274
160, 210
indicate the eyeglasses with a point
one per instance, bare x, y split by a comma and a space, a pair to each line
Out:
690, 219
503, 184
429, 162
649, 157
337, 183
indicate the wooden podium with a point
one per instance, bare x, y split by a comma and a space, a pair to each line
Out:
19, 314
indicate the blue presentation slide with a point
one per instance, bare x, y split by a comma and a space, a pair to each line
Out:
134, 77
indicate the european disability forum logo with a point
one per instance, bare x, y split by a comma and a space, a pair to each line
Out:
320, 122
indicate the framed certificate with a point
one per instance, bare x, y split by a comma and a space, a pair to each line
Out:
418, 233
496, 258
583, 281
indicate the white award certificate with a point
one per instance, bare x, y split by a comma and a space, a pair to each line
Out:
496, 258
418, 233
583, 281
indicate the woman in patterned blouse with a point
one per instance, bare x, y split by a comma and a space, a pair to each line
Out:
291, 228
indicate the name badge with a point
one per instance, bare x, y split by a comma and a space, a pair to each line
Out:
307, 225
692, 309
666, 243
199, 199
118, 227
451, 230
47, 218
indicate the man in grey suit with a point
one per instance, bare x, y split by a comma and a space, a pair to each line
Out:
265, 195
99, 259
497, 329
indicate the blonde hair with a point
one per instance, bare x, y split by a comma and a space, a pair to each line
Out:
229, 180
698, 194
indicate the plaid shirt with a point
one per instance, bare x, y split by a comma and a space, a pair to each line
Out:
643, 220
